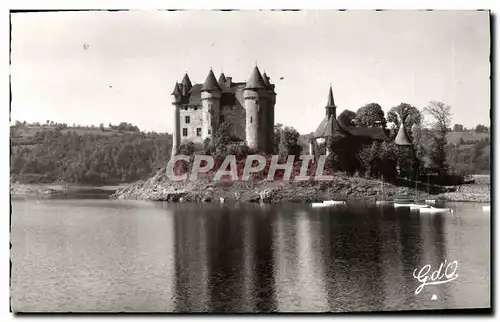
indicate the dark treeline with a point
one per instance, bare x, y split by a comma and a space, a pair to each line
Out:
70, 155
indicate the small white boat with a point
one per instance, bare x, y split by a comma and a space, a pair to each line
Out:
433, 210
334, 202
430, 201
486, 208
383, 202
319, 204
399, 205
417, 206
222, 200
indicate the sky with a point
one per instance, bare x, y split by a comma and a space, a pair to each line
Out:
110, 67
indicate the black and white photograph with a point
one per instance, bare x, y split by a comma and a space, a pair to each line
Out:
250, 161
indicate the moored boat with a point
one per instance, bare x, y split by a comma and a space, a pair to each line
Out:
418, 206
319, 204
334, 202
434, 210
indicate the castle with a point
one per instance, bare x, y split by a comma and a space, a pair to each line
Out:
248, 106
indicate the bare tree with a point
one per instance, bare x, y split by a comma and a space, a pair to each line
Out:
441, 115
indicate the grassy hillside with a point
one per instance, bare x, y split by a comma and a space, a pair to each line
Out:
89, 155
454, 137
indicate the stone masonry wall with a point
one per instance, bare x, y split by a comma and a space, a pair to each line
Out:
195, 122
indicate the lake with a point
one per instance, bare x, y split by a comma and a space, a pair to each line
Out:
98, 255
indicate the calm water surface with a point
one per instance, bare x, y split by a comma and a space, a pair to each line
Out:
112, 256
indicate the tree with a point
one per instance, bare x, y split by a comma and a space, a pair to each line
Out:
278, 128
101, 127
481, 129
441, 114
371, 115
347, 118
369, 157
289, 142
187, 148
223, 136
458, 128
410, 114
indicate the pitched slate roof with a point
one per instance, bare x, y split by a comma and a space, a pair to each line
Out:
370, 132
195, 95
327, 128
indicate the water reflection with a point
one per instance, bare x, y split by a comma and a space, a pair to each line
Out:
112, 256
299, 264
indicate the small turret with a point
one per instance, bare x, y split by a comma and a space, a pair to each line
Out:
265, 78
186, 85
176, 101
222, 78
210, 101
256, 98
402, 138
176, 94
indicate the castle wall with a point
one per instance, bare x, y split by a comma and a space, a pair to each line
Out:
263, 132
235, 115
195, 122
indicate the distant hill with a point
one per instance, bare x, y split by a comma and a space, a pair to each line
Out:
467, 137
88, 155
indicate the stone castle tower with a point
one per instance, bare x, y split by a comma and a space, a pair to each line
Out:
200, 109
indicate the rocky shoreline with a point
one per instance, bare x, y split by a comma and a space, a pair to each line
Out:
54, 190
18, 189
342, 188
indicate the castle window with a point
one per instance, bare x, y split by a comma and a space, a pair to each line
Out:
251, 119
195, 108
209, 131
184, 132
198, 131
187, 119
222, 118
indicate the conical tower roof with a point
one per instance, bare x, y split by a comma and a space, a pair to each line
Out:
255, 80
265, 78
401, 137
330, 102
177, 90
222, 78
186, 81
186, 84
211, 83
